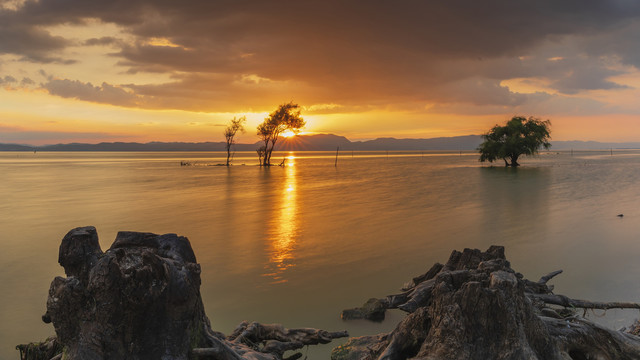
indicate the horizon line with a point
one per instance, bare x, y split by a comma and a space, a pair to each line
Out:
285, 139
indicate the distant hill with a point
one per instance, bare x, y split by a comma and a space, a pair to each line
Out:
318, 142
15, 147
122, 146
469, 142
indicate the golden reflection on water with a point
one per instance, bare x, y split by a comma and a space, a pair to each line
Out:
283, 239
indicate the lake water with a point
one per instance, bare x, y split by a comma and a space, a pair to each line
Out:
299, 243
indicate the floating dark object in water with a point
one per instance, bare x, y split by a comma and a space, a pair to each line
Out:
620, 215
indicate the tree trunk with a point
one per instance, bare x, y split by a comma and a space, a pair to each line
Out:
267, 154
514, 160
141, 300
476, 307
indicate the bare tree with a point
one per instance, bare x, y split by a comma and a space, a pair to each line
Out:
235, 125
285, 117
260, 152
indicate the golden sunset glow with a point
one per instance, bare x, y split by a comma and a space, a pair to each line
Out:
288, 133
301, 157
285, 226
104, 73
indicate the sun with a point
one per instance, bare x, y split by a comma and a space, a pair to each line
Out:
288, 133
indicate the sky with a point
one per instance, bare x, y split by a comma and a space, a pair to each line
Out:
166, 70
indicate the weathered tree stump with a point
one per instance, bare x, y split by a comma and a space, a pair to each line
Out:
141, 300
477, 307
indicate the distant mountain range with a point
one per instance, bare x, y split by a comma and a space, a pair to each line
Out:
319, 142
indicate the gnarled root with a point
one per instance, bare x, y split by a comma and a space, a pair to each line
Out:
477, 307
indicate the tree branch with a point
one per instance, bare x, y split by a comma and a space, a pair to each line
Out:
543, 280
562, 300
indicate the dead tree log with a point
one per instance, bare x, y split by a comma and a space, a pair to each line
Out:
141, 300
477, 307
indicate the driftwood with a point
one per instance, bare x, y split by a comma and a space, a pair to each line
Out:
476, 307
141, 300
266, 341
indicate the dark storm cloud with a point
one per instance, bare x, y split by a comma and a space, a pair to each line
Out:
28, 40
622, 40
586, 78
355, 53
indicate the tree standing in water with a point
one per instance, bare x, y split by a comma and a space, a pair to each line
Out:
285, 117
230, 132
520, 136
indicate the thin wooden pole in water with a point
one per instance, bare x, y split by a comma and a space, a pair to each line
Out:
611, 151
337, 149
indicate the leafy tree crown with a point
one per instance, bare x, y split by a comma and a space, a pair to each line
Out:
519, 136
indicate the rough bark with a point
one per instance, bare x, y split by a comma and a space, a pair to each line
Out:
477, 307
141, 300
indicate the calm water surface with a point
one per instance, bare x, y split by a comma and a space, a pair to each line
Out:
297, 244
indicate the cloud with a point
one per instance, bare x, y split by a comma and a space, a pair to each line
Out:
226, 55
479, 91
621, 40
27, 81
29, 41
538, 104
103, 41
587, 78
8, 79
105, 93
